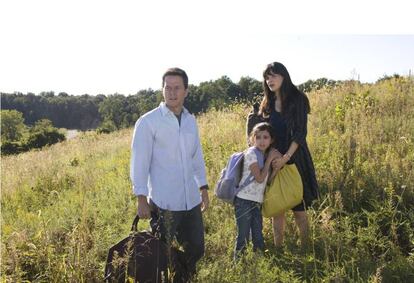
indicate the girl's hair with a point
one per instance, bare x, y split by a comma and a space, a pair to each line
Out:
264, 126
293, 100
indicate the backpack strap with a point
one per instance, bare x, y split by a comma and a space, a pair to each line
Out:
260, 157
250, 178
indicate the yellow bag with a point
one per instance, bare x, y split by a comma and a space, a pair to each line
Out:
285, 191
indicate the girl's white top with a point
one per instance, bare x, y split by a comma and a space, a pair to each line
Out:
254, 191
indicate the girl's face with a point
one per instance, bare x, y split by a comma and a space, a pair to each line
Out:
262, 140
274, 81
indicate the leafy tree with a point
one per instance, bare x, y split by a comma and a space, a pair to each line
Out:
111, 109
67, 111
8, 147
43, 133
386, 77
42, 125
106, 127
12, 125
228, 89
47, 94
196, 100
43, 138
251, 89
147, 100
317, 84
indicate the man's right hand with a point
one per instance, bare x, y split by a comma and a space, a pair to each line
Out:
144, 210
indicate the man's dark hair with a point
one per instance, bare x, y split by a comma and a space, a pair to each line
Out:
176, 72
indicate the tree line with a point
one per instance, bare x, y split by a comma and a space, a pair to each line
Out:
116, 111
32, 121
107, 113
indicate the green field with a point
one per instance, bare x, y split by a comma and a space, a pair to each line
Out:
64, 206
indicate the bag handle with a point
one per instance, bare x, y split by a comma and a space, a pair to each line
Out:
135, 224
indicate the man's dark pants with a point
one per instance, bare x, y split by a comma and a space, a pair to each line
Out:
187, 227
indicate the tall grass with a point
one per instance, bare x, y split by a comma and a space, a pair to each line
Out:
64, 206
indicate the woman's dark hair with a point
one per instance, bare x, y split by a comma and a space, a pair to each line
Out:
292, 97
263, 126
176, 72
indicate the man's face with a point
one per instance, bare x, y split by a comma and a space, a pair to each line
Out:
174, 92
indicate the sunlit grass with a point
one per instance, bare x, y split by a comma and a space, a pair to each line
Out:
64, 206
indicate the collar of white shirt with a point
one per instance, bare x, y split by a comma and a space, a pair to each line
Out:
165, 110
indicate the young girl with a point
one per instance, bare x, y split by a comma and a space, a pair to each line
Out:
247, 203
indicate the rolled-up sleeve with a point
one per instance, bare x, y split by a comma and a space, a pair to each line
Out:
198, 163
141, 154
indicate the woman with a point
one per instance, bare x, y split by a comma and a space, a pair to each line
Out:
286, 109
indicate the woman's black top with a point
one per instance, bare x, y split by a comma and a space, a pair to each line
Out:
279, 125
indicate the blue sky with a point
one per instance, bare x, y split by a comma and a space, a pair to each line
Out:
124, 46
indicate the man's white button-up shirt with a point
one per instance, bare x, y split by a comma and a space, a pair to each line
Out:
167, 162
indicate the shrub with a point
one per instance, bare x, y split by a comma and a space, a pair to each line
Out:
9, 147
43, 138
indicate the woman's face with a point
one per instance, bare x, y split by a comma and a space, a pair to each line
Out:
274, 81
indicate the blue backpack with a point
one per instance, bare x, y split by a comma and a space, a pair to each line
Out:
228, 186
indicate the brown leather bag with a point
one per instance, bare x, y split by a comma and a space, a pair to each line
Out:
141, 256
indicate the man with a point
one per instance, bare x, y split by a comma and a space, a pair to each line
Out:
167, 167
